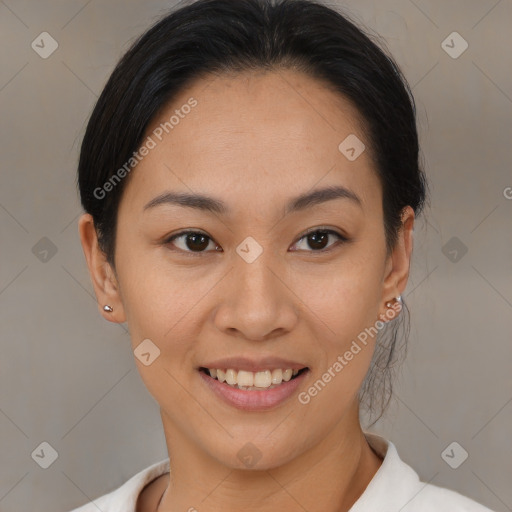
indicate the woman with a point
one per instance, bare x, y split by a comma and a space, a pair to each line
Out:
250, 179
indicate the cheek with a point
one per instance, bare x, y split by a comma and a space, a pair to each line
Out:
343, 317
162, 307
345, 299
342, 305
157, 297
153, 309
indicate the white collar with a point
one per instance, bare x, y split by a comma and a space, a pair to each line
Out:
394, 487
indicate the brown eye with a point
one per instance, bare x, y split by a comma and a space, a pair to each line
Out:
197, 242
191, 241
318, 239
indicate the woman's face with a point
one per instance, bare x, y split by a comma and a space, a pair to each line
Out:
255, 287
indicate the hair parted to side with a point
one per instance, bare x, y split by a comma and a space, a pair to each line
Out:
228, 36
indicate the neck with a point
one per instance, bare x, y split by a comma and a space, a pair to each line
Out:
327, 477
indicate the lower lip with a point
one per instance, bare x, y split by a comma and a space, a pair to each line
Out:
254, 400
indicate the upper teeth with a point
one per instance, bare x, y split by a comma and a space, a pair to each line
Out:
244, 379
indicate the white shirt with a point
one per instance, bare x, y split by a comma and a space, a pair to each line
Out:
395, 487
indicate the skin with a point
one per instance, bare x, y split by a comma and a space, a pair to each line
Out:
254, 140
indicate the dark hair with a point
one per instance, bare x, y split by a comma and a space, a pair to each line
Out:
224, 36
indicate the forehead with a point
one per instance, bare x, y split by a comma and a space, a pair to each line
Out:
254, 133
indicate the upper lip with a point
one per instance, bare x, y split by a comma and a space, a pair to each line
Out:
253, 365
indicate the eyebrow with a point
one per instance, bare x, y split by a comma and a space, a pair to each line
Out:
212, 205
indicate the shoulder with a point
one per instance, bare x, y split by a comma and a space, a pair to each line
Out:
396, 486
440, 499
125, 497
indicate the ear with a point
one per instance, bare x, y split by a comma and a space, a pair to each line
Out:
398, 262
103, 277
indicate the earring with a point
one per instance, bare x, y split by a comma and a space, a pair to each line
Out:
399, 299
108, 308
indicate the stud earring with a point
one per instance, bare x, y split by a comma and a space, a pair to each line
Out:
108, 308
399, 299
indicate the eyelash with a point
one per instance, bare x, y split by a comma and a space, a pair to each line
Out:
342, 239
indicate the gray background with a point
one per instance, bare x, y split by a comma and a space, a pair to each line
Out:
68, 377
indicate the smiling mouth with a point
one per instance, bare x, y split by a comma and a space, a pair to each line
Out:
253, 381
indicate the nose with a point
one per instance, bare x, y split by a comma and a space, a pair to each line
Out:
256, 303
